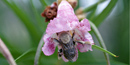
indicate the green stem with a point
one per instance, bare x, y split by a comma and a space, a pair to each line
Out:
5, 52
100, 39
103, 50
38, 52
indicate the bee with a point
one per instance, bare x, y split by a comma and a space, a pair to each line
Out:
67, 45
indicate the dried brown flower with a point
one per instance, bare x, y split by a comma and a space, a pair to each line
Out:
73, 3
50, 12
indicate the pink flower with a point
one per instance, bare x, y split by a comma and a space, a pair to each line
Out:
66, 32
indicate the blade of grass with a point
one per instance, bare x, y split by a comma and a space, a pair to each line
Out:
34, 33
4, 50
100, 39
38, 52
103, 50
92, 6
98, 19
43, 3
37, 16
92, 15
78, 3
30, 50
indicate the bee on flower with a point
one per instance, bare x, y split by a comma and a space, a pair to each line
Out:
66, 32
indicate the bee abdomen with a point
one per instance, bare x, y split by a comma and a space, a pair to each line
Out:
69, 53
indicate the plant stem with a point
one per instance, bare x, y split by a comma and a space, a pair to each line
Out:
4, 50
100, 39
38, 52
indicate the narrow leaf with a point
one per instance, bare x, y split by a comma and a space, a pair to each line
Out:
92, 14
104, 13
100, 39
43, 3
38, 16
32, 29
30, 50
103, 50
92, 6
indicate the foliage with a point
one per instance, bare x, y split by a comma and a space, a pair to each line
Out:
21, 28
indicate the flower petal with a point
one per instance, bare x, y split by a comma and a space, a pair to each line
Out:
84, 26
58, 25
86, 37
89, 38
66, 60
66, 19
66, 11
83, 36
49, 46
84, 47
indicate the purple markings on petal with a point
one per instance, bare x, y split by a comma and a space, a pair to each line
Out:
84, 26
89, 38
49, 46
86, 37
84, 47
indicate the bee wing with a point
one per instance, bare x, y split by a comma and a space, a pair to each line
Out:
76, 56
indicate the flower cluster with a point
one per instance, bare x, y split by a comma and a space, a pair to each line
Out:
67, 21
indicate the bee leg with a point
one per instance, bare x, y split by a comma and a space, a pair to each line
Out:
82, 42
73, 35
56, 40
60, 52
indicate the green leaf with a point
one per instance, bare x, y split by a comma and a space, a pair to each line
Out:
43, 3
92, 14
98, 19
32, 29
92, 6
30, 50
103, 50
100, 39
37, 15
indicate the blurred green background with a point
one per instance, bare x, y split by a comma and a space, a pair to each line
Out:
21, 28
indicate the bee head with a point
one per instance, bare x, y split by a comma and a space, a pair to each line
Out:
65, 37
